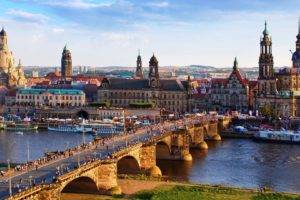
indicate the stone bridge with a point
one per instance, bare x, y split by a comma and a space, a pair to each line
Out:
100, 176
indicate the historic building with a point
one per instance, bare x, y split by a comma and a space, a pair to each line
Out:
66, 63
230, 94
50, 97
10, 75
173, 95
278, 90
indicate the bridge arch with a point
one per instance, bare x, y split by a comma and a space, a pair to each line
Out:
128, 165
83, 114
82, 184
163, 150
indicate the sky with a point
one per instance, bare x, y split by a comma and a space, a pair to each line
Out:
178, 32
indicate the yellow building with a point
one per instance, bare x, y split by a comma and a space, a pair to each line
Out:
10, 75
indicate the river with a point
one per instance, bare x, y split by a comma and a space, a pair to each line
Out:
234, 162
241, 163
16, 147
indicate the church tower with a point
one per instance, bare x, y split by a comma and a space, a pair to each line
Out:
153, 72
266, 63
139, 67
66, 63
296, 54
266, 78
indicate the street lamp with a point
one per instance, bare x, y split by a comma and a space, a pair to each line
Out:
9, 178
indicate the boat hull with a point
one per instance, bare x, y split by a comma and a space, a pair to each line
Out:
63, 130
35, 128
266, 140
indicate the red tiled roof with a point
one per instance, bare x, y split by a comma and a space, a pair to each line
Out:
52, 75
223, 81
237, 73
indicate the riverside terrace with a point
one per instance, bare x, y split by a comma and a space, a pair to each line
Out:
97, 168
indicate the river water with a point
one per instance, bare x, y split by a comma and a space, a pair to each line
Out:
241, 163
234, 162
16, 147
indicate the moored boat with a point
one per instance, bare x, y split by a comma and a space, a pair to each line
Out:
283, 136
66, 128
20, 127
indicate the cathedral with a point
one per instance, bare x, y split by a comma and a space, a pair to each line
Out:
173, 95
280, 90
10, 75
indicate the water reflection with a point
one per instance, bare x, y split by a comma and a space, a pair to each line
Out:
241, 163
15, 147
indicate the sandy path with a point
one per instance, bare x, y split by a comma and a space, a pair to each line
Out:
132, 186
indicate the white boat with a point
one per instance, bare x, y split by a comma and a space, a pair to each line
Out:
19, 133
66, 128
283, 136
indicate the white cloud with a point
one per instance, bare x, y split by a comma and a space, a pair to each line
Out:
58, 30
162, 4
77, 4
24, 16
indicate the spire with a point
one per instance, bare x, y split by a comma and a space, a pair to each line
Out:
299, 26
235, 64
266, 32
298, 36
65, 48
19, 63
139, 55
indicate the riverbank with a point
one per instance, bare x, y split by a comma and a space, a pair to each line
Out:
165, 190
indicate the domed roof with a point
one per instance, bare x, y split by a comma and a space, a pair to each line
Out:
153, 59
266, 32
3, 32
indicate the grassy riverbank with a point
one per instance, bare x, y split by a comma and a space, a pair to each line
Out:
160, 190
209, 193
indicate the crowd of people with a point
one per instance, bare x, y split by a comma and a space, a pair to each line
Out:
130, 138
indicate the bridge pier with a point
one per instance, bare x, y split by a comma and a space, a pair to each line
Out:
148, 160
212, 131
180, 146
197, 137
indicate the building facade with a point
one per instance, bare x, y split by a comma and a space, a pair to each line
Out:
50, 97
66, 63
173, 95
10, 75
230, 94
278, 90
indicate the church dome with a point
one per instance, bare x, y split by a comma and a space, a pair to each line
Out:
3, 32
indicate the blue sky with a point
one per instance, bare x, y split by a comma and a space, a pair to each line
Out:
180, 32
